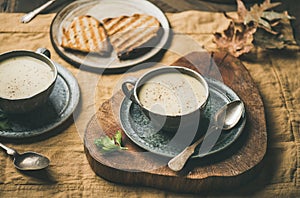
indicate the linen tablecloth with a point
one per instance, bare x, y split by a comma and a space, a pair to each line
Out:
276, 74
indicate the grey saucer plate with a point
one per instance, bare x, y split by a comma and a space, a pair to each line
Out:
140, 130
59, 107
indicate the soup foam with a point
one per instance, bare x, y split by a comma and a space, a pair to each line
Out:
23, 77
172, 94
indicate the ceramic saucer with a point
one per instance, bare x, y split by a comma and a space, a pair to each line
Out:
59, 107
140, 130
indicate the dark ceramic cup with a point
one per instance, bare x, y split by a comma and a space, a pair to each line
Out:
19, 105
162, 119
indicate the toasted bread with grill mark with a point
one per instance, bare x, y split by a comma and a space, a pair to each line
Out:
132, 36
86, 34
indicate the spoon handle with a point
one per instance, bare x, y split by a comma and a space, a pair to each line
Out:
178, 162
9, 151
27, 17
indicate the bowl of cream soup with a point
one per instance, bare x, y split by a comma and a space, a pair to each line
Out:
171, 96
27, 79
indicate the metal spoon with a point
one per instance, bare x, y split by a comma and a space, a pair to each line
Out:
228, 116
27, 17
28, 160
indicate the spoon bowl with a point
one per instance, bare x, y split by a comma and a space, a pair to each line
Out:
229, 115
225, 118
28, 160
31, 161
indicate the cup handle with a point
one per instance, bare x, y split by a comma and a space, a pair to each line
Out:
44, 51
126, 91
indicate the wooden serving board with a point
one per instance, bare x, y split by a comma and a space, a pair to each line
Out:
223, 171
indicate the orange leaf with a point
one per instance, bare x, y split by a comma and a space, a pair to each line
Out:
236, 39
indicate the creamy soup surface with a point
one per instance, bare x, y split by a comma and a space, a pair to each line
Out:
172, 94
23, 77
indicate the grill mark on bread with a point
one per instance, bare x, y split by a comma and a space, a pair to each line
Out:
121, 23
132, 35
102, 36
133, 42
86, 34
92, 42
128, 33
72, 35
122, 27
95, 35
132, 26
147, 35
65, 37
113, 23
80, 39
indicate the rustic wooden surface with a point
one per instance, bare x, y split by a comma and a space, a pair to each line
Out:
292, 6
224, 170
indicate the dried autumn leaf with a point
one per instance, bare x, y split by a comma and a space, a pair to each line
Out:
266, 40
259, 15
271, 16
236, 39
257, 26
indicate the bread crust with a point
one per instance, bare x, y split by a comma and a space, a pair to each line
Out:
132, 36
86, 34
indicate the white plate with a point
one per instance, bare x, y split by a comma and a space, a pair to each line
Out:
101, 9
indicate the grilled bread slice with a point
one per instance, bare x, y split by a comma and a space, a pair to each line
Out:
132, 36
86, 34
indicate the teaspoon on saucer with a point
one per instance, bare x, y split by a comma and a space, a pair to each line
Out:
229, 114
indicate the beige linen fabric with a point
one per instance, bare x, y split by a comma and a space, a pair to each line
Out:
276, 75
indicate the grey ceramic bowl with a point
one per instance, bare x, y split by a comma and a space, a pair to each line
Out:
162, 121
23, 105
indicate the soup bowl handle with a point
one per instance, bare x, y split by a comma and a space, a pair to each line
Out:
44, 51
129, 93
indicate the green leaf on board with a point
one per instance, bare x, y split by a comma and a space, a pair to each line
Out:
107, 144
